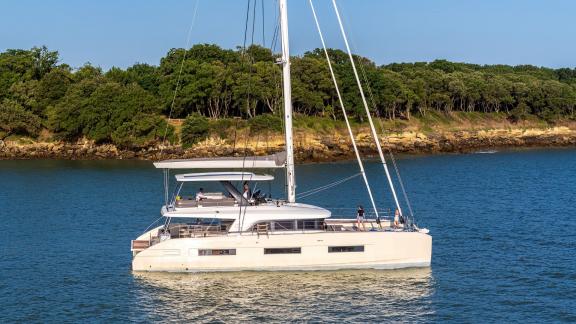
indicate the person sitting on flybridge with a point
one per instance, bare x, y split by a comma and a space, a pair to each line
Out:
246, 192
200, 195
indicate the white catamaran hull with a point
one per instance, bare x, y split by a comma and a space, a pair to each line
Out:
381, 250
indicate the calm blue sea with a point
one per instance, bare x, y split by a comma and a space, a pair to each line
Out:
504, 229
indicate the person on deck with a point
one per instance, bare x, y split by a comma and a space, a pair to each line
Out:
379, 222
200, 195
396, 218
360, 217
246, 192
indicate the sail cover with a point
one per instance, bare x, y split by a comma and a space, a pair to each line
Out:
277, 160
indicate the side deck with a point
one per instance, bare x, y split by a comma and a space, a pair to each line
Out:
179, 231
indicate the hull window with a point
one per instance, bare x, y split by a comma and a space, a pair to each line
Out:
217, 252
283, 251
337, 249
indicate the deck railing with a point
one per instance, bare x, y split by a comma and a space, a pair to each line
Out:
353, 212
197, 230
345, 221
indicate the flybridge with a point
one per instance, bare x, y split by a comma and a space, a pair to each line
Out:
273, 161
223, 176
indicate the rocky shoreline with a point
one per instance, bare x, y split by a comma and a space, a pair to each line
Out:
308, 147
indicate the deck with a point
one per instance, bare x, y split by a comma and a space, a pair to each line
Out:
179, 231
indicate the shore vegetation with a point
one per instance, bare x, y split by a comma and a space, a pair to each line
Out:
221, 90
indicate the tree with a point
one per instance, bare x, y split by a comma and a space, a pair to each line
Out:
15, 66
96, 108
44, 61
194, 129
14, 119
142, 131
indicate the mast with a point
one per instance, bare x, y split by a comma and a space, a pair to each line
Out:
290, 180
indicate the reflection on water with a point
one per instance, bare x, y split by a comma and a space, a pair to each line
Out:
359, 295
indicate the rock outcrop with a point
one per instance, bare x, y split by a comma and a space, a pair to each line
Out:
308, 147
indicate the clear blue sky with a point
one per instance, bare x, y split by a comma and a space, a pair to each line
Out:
122, 32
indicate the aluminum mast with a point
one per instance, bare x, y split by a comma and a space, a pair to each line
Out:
290, 180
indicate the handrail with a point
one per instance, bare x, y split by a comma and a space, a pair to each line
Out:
383, 213
194, 229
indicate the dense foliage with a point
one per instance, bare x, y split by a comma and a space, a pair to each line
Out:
129, 107
194, 129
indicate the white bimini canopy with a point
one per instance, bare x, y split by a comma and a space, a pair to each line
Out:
277, 160
223, 176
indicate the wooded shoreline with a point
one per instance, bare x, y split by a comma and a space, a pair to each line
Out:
228, 102
221, 90
308, 147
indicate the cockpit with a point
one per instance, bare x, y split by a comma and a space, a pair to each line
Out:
237, 189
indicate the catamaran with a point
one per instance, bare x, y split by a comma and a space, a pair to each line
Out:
240, 228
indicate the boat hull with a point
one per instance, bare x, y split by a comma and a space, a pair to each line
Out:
381, 250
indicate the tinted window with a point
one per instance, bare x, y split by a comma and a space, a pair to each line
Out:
283, 225
283, 251
309, 224
336, 249
217, 252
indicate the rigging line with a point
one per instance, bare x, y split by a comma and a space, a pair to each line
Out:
328, 186
402, 186
263, 25
246, 140
393, 159
247, 136
152, 224
279, 81
235, 135
246, 27
253, 21
277, 24
241, 217
382, 130
166, 174
179, 78
248, 198
350, 132
372, 129
274, 42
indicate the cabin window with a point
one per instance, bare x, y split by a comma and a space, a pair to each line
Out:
217, 252
337, 249
283, 251
284, 225
310, 224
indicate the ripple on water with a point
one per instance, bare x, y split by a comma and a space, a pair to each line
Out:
503, 226
286, 296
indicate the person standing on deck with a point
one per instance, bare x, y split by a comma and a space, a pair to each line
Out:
396, 219
360, 217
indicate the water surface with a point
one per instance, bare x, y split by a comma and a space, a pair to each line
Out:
503, 224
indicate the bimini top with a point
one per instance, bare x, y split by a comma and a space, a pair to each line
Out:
277, 160
223, 176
